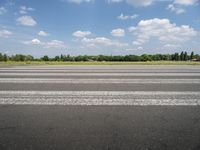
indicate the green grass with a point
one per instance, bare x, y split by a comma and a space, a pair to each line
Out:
100, 63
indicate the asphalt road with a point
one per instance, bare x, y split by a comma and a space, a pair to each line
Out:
100, 108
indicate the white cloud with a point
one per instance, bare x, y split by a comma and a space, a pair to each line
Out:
55, 44
131, 29
126, 17
43, 33
25, 10
135, 49
26, 21
115, 1
36, 42
176, 8
33, 42
2, 10
140, 2
134, 2
163, 30
118, 32
98, 41
77, 1
5, 33
101, 41
171, 46
81, 34
49, 44
185, 2
145, 3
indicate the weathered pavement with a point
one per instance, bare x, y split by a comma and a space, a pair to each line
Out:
100, 107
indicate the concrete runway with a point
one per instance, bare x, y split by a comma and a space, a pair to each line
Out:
100, 107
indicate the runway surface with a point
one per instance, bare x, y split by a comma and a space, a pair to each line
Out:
100, 107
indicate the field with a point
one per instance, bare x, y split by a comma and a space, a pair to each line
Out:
100, 63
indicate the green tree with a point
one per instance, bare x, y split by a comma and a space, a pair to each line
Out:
176, 57
29, 58
192, 56
1, 57
45, 58
185, 56
146, 57
182, 56
57, 58
5, 57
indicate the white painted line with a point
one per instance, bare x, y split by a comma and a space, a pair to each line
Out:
103, 81
97, 71
99, 98
137, 67
125, 102
100, 74
97, 93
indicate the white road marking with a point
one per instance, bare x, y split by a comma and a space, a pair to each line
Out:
99, 74
96, 93
103, 81
140, 98
97, 71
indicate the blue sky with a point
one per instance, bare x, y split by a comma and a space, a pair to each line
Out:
92, 27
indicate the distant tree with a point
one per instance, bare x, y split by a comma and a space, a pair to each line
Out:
182, 56
57, 58
131, 58
22, 57
185, 56
5, 57
100, 58
145, 57
62, 57
166, 57
176, 57
45, 58
29, 58
192, 55
68, 58
1, 57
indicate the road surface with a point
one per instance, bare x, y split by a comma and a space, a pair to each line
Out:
100, 108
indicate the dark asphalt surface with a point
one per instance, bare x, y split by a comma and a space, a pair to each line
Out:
97, 87
30, 127
99, 128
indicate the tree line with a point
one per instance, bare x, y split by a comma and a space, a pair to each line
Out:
183, 56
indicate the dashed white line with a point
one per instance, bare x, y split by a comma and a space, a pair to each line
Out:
102, 81
141, 98
100, 74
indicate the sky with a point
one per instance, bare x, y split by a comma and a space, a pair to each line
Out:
93, 27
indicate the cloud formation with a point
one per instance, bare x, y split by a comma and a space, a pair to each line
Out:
145, 3
43, 33
163, 30
26, 21
77, 1
101, 41
2, 10
49, 44
24, 10
134, 2
118, 32
178, 6
81, 34
5, 33
126, 17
